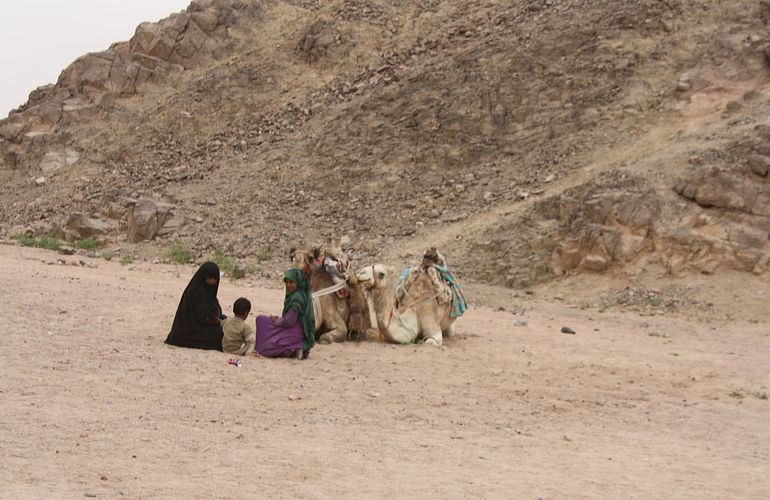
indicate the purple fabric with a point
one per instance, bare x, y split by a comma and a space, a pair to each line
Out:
279, 339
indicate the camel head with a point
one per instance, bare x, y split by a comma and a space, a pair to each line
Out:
303, 258
310, 258
378, 276
334, 250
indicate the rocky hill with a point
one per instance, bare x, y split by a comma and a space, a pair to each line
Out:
530, 139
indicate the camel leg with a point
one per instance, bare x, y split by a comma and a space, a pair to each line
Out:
338, 334
431, 332
450, 330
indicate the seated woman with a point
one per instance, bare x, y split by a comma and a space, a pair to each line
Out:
197, 321
292, 335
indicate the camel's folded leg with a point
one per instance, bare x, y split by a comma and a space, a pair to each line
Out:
336, 335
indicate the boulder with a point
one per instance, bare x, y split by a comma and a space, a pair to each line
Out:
80, 226
595, 263
316, 40
146, 218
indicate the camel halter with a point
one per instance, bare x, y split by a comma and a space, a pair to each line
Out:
329, 290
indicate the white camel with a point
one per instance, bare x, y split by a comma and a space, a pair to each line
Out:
419, 308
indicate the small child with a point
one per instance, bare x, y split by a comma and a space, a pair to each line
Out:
239, 337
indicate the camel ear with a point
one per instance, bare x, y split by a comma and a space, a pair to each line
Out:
317, 253
292, 253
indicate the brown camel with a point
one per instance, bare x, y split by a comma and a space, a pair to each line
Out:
334, 311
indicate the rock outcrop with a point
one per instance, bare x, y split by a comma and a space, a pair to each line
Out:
92, 83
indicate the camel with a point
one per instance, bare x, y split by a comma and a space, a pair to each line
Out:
332, 316
419, 307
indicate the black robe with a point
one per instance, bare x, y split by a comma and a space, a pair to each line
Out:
196, 322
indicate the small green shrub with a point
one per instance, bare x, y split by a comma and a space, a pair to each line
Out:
225, 263
89, 244
108, 255
126, 259
655, 300
264, 254
27, 241
48, 242
179, 254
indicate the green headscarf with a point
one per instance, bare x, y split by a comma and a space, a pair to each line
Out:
301, 302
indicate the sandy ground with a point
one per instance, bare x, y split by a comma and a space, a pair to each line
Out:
93, 404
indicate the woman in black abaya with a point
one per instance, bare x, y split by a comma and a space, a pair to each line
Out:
197, 323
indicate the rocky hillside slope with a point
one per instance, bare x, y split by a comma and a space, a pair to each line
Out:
529, 139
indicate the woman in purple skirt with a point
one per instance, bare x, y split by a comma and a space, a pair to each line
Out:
293, 334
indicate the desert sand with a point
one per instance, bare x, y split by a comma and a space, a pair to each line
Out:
94, 404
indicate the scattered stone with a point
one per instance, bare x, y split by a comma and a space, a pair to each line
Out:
66, 250
520, 322
733, 106
683, 85
294, 398
567, 330
759, 164
40, 181
751, 95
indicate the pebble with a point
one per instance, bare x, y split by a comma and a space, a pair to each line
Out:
520, 322
568, 330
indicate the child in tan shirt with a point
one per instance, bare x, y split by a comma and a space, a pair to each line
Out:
239, 337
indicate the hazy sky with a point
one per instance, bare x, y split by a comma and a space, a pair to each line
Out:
39, 38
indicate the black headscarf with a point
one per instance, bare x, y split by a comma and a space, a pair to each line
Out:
196, 321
